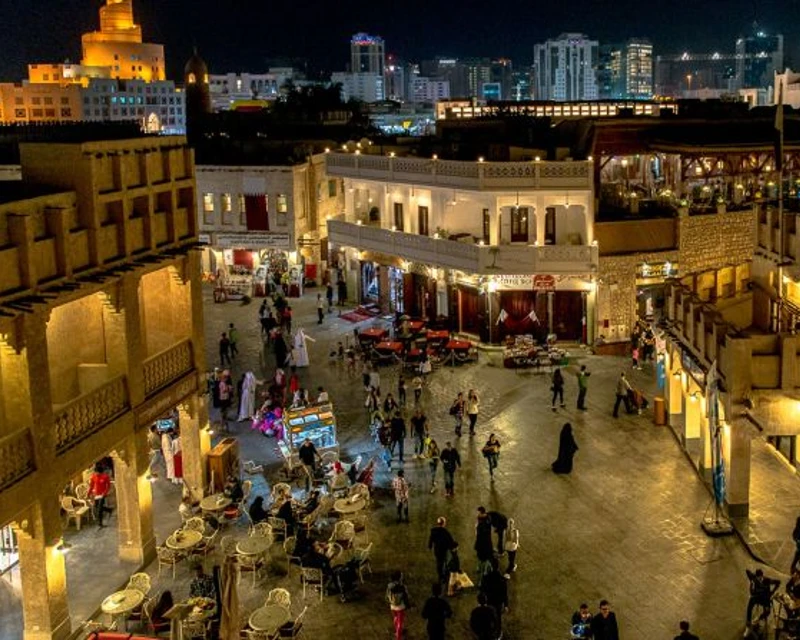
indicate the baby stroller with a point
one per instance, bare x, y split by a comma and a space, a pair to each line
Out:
636, 401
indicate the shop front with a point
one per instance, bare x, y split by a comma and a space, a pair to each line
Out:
248, 264
650, 295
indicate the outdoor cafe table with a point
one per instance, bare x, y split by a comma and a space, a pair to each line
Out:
345, 505
269, 618
441, 334
254, 545
374, 334
389, 347
215, 502
458, 345
118, 604
415, 326
184, 540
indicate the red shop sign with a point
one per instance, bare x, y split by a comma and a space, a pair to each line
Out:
544, 283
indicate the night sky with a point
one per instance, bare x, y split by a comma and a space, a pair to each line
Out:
237, 35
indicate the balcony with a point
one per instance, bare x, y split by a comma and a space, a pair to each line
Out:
468, 257
88, 413
16, 458
164, 368
464, 175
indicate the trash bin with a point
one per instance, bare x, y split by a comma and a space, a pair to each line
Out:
659, 411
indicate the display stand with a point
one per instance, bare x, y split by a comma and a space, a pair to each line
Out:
317, 423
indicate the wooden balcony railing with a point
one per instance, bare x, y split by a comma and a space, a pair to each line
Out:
167, 366
86, 414
16, 458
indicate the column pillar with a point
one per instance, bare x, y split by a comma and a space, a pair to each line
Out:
45, 604
550, 296
136, 538
195, 443
736, 451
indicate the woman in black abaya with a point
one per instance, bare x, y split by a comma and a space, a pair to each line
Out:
566, 450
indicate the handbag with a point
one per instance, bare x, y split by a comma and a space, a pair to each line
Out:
464, 581
454, 410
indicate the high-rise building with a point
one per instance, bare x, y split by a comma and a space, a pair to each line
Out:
367, 54
695, 74
366, 87
565, 68
637, 69
397, 81
758, 58
118, 45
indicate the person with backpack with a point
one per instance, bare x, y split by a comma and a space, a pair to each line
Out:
397, 596
557, 388
457, 411
436, 611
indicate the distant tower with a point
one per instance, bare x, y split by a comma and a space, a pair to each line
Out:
198, 93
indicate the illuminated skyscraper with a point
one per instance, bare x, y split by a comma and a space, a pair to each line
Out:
637, 69
758, 58
565, 68
367, 54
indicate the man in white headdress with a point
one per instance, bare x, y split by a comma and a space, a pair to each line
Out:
299, 349
247, 403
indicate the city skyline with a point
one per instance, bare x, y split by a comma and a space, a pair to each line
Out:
324, 37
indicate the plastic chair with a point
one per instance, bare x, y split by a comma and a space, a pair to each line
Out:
362, 557
288, 549
75, 509
278, 526
82, 493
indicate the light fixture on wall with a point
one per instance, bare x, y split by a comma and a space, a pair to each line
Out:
454, 201
413, 195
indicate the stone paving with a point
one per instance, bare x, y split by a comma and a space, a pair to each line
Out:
623, 526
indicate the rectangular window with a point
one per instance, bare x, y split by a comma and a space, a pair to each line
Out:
242, 210
550, 226
226, 205
487, 227
519, 224
332, 188
256, 213
422, 221
283, 203
208, 202
398, 215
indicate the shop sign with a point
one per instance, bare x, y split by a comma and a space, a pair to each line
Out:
544, 283
691, 367
521, 282
252, 241
657, 270
205, 238
152, 409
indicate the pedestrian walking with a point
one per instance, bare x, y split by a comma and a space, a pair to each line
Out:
365, 371
495, 587
623, 386
491, 451
341, 287
499, 525
390, 405
400, 487
224, 350
582, 623
432, 453
329, 296
436, 611
419, 427
457, 411
269, 324
281, 350
567, 447
401, 390
557, 387
441, 542
473, 405
233, 339
512, 546
372, 403
99, 488
375, 380
484, 549
398, 426
583, 387
483, 620
451, 460
397, 596
685, 634
320, 309
416, 384
604, 623
425, 366
308, 455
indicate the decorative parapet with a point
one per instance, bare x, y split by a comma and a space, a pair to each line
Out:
86, 414
16, 458
167, 366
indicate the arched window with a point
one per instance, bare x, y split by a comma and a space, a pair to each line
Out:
191, 79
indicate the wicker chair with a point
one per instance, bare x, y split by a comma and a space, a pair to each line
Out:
329, 457
228, 545
312, 579
360, 522
75, 510
195, 524
168, 558
339, 485
288, 549
140, 582
280, 597
278, 527
359, 489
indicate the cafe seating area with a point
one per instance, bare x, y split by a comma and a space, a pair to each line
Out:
281, 568
522, 352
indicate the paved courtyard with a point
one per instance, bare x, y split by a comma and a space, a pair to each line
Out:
623, 526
